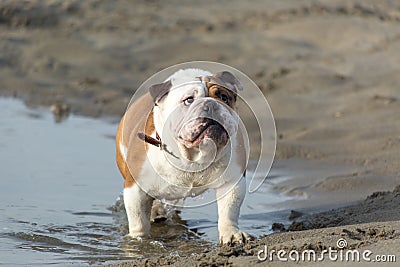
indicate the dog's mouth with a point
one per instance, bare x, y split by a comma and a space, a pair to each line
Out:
197, 130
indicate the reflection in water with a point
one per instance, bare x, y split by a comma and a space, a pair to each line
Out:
58, 188
92, 242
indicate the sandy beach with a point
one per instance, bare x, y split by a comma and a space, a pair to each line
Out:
330, 71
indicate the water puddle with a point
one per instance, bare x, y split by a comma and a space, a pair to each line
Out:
59, 185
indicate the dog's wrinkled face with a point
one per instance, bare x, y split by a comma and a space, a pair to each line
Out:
198, 113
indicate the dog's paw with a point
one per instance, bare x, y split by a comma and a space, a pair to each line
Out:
138, 236
231, 237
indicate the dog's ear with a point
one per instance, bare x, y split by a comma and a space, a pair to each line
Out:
227, 80
158, 91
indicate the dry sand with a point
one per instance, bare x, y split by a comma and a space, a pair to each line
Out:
330, 71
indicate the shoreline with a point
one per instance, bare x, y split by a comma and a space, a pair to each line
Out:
316, 232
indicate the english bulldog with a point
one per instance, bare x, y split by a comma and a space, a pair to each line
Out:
179, 139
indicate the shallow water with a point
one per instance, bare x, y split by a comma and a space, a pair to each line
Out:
59, 193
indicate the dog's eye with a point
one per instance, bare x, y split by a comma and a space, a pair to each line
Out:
225, 98
188, 101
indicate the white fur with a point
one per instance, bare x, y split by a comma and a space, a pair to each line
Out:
138, 208
187, 75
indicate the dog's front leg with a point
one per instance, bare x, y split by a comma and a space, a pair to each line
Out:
229, 199
138, 208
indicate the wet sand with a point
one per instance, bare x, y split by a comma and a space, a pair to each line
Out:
329, 71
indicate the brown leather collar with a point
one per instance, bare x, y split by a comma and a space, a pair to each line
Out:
155, 142
150, 140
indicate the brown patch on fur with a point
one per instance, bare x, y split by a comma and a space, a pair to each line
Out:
215, 92
224, 79
138, 118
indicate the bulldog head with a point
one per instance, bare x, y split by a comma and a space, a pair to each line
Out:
195, 113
